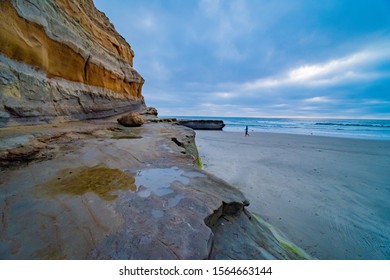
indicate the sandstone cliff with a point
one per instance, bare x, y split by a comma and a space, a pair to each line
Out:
63, 59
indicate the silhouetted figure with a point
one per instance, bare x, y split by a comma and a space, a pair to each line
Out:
246, 131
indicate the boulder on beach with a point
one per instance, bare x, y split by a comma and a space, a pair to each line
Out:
132, 119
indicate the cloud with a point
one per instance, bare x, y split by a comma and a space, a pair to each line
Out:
224, 95
318, 99
352, 68
315, 89
159, 71
377, 102
337, 86
147, 23
282, 105
225, 23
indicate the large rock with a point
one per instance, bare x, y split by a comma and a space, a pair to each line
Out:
203, 124
132, 119
63, 59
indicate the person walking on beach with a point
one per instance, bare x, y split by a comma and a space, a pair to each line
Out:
246, 131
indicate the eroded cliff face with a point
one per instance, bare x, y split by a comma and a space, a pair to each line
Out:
63, 59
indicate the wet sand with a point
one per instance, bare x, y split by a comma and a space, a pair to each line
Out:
330, 196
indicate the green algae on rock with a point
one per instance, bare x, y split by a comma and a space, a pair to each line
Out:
98, 179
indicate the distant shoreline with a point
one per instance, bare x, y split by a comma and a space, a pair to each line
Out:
341, 128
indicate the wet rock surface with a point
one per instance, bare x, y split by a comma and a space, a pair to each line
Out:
98, 190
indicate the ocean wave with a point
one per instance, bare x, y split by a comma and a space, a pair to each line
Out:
354, 124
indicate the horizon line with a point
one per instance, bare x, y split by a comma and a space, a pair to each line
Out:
283, 117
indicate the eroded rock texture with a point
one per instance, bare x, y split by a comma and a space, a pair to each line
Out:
63, 59
97, 190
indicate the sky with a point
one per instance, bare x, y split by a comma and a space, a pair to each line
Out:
259, 58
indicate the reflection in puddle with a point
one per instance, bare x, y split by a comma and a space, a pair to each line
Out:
156, 213
104, 181
158, 181
98, 179
173, 201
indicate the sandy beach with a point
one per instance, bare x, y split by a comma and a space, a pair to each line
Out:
328, 195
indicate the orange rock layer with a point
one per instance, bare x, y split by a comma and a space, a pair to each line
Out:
97, 23
26, 41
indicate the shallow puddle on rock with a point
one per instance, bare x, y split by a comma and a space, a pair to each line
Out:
159, 180
156, 180
98, 179
173, 201
157, 213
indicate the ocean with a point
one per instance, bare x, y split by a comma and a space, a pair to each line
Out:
348, 128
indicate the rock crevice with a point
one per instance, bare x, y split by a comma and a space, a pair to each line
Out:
238, 234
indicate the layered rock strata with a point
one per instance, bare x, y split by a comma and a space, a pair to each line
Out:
62, 59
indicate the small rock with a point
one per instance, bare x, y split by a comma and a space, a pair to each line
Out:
150, 111
132, 119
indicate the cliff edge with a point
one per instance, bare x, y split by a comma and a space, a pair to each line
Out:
63, 60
